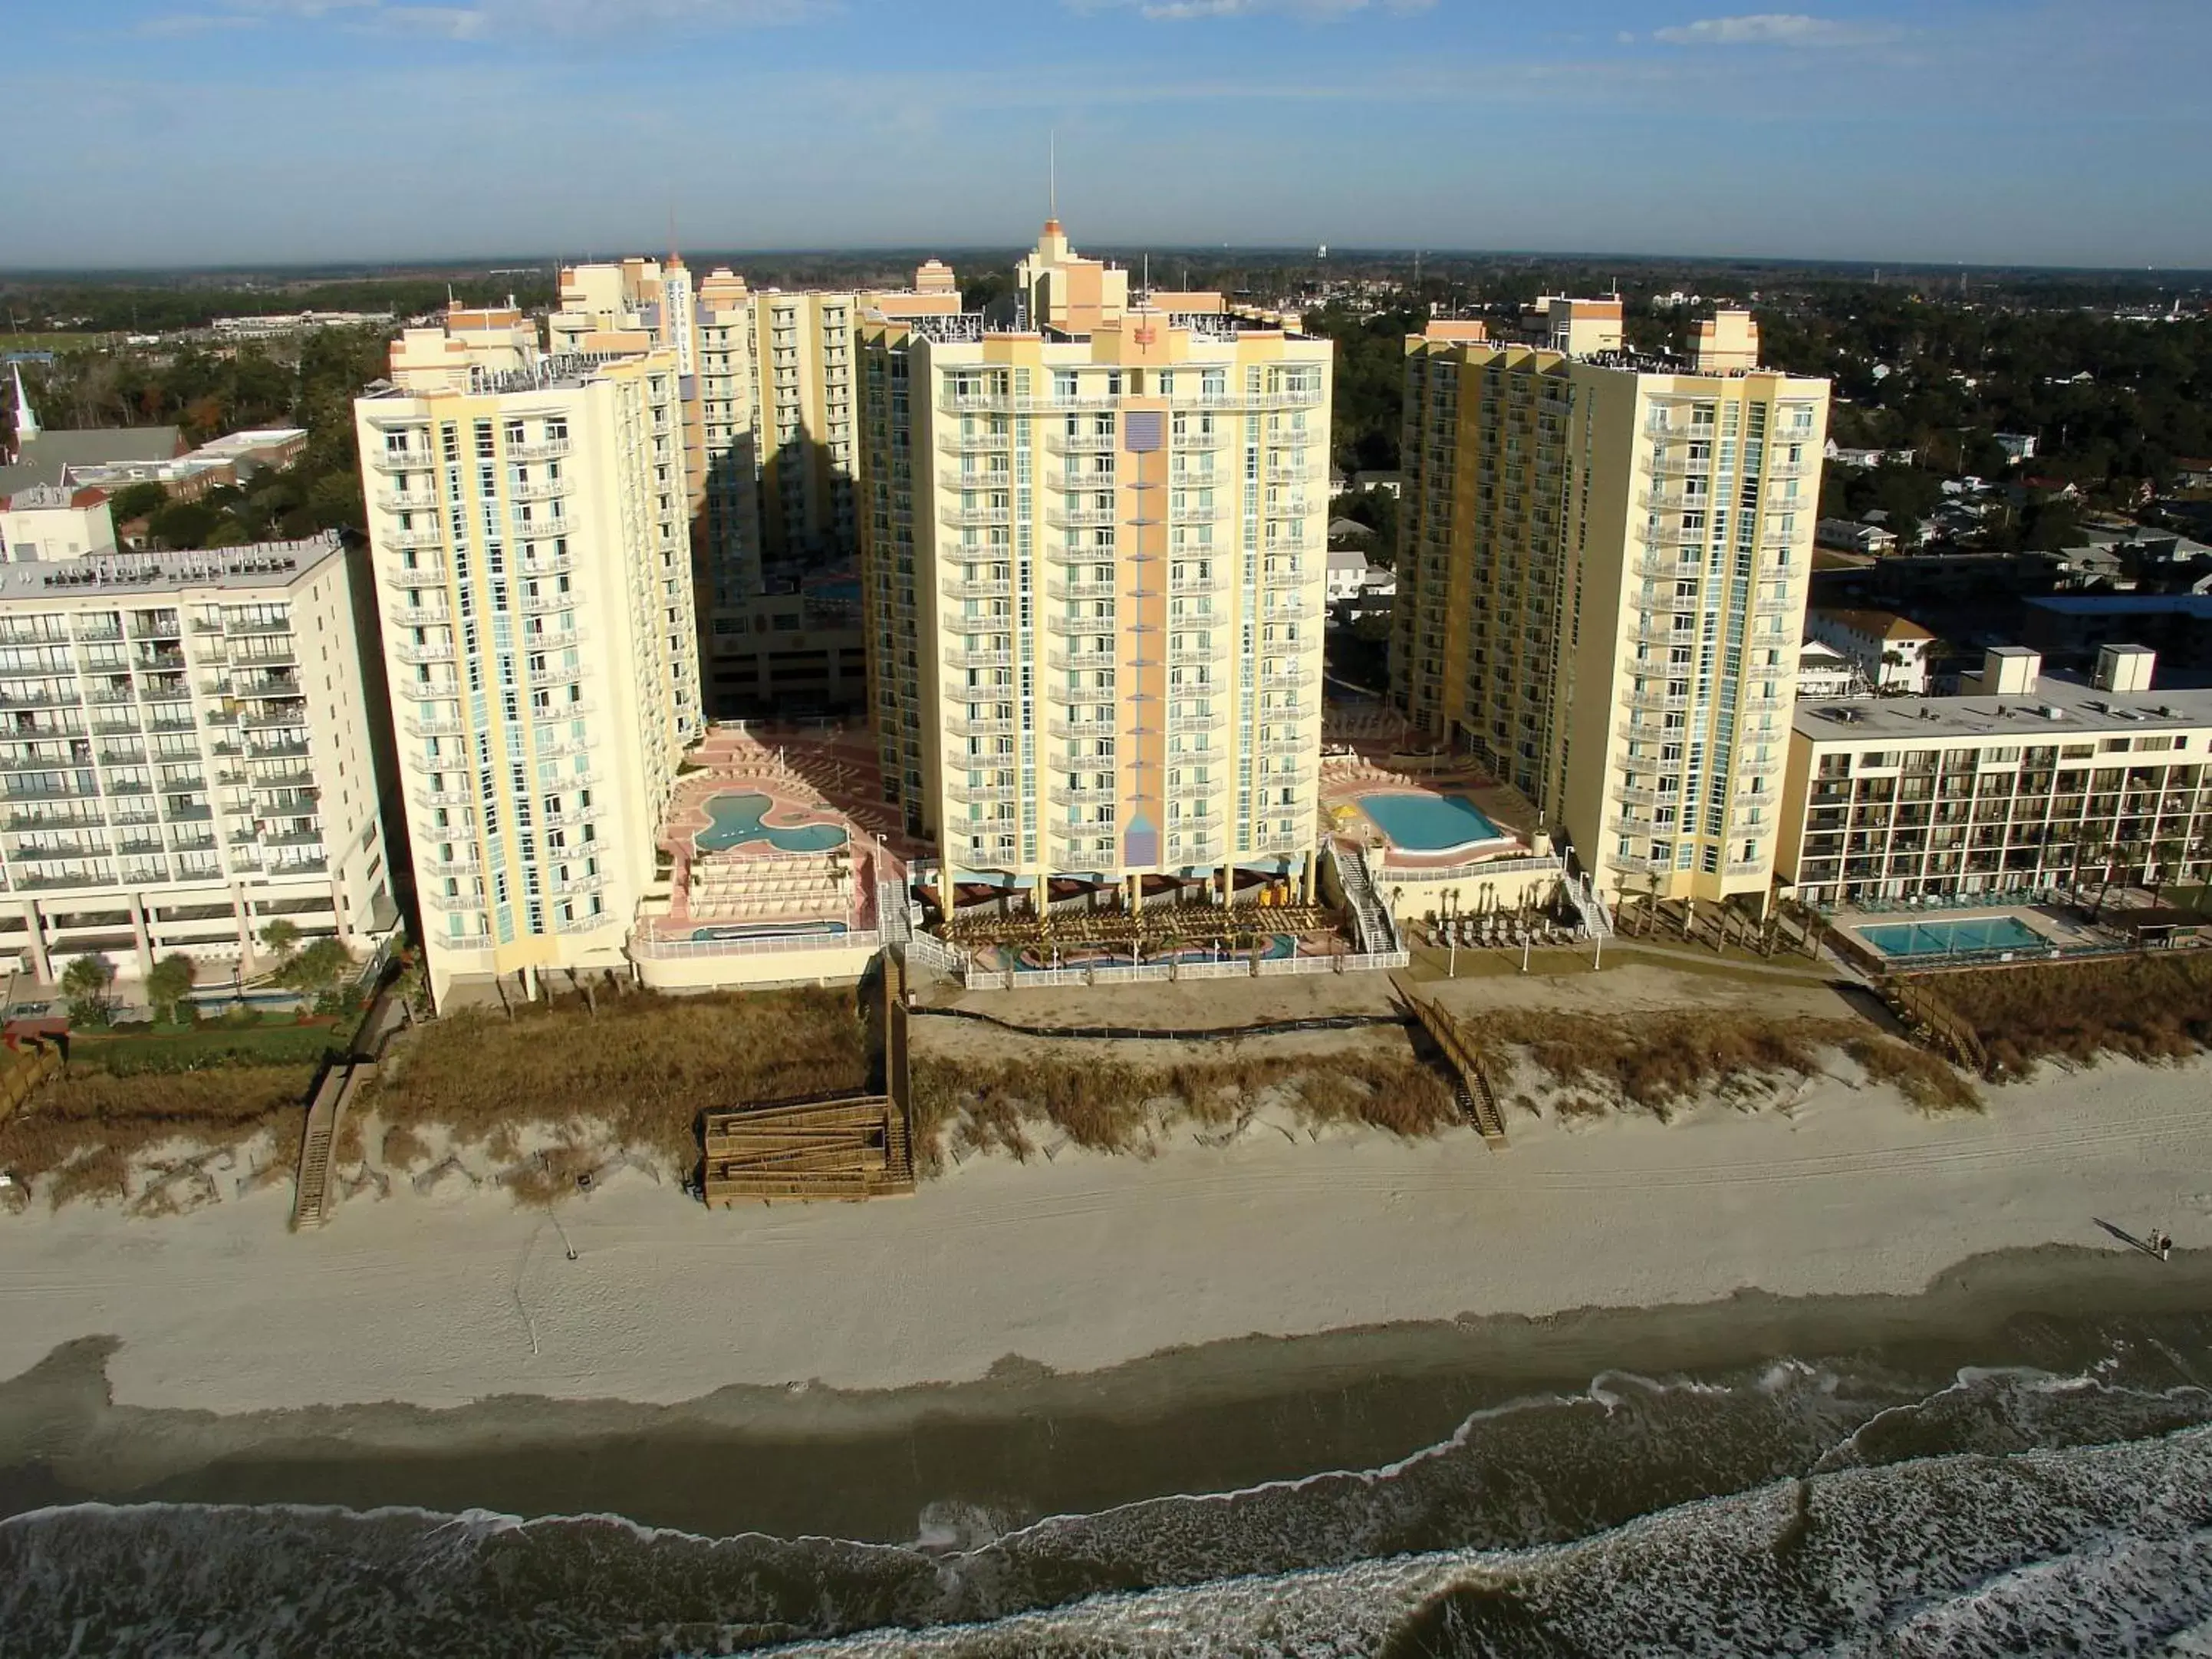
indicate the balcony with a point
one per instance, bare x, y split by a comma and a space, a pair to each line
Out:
982, 794
429, 798
46, 697
999, 481
424, 573
976, 443
1191, 437
404, 460
1656, 701
1277, 578
550, 675
1275, 679
1061, 794
1081, 695
960, 657
548, 449
997, 725
407, 501
1060, 441
1080, 591
962, 518
1081, 659
1079, 627
427, 651
1082, 731
1082, 517
1202, 583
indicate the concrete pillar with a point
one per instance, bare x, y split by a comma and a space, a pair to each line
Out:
138, 932
1136, 893
1219, 891
1043, 896
1312, 866
244, 915
35, 926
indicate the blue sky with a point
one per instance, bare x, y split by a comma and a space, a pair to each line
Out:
178, 131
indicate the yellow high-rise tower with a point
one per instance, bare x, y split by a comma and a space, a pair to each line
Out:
1093, 573
1602, 571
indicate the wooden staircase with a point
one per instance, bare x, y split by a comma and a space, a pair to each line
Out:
1477, 1100
311, 1187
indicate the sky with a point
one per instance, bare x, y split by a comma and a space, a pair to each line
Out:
174, 132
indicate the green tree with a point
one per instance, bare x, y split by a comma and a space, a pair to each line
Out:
317, 967
283, 939
170, 983
182, 524
89, 982
136, 500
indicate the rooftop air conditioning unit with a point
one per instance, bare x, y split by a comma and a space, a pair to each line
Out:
2051, 711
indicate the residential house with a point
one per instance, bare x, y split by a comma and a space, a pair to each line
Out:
1890, 650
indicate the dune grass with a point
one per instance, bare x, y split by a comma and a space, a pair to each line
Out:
643, 1067
2156, 1006
961, 1106
86, 1129
1660, 1061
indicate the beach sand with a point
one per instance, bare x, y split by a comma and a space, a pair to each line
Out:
1083, 1261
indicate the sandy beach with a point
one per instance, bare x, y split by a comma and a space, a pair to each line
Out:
1082, 1261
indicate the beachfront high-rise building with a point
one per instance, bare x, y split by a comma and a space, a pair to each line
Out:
1601, 582
1093, 573
527, 520
186, 752
768, 405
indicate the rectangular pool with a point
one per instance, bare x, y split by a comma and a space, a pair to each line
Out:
1430, 823
1952, 935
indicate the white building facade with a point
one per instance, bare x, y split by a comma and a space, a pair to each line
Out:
184, 756
528, 521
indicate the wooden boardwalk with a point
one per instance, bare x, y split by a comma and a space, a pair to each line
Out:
847, 1146
1478, 1101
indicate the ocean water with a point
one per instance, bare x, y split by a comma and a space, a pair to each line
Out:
1841, 1506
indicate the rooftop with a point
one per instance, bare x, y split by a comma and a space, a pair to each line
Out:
137, 576
1876, 624
2081, 710
2096, 604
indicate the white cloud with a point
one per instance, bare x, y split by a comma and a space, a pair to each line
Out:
1184, 10
487, 18
194, 22
1773, 28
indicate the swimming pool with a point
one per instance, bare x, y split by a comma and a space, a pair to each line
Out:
1952, 935
1430, 823
735, 818
767, 930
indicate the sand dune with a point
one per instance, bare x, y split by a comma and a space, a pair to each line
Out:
1083, 1261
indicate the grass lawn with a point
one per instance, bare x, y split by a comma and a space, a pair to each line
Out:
167, 1049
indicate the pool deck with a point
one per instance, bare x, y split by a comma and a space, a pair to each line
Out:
2054, 924
810, 775
1374, 752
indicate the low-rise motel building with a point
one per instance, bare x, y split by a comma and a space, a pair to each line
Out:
1093, 578
527, 515
186, 757
2027, 783
1601, 583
